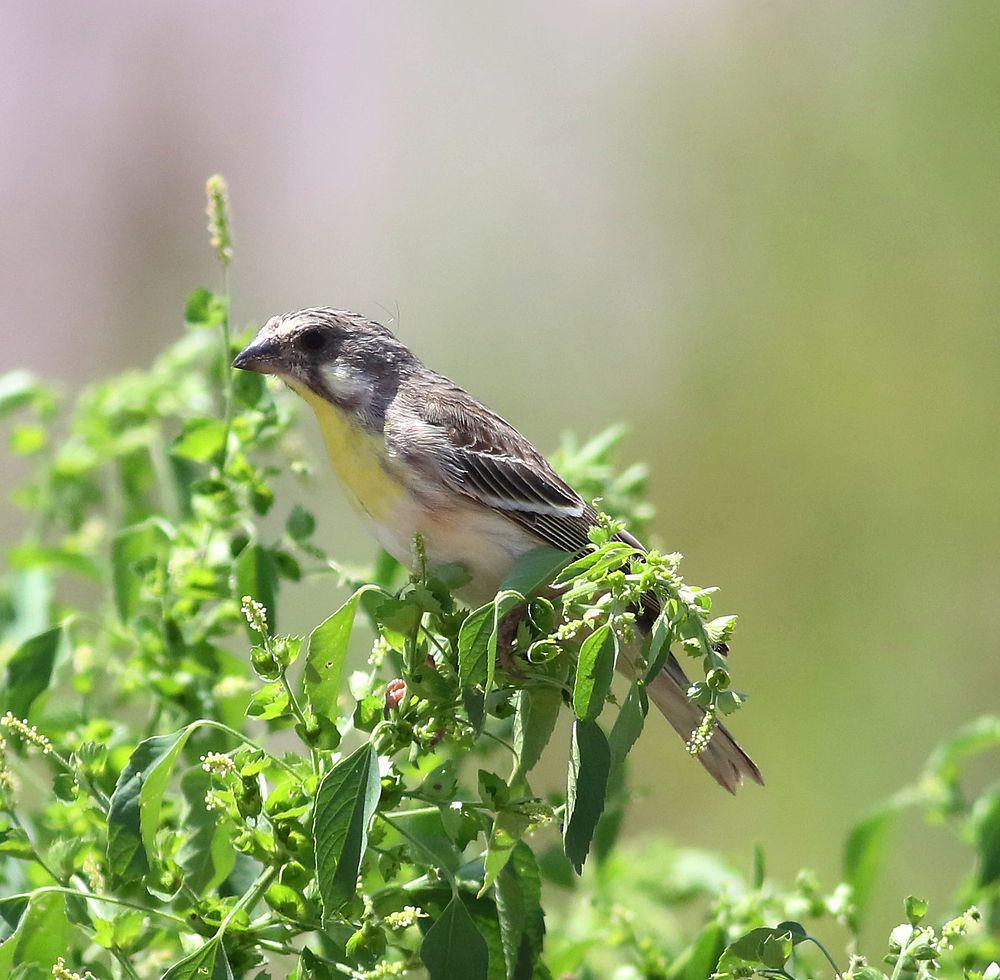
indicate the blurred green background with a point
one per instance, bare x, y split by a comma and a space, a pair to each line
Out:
764, 235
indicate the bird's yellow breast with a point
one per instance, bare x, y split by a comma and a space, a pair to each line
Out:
358, 458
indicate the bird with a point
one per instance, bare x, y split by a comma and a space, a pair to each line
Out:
418, 455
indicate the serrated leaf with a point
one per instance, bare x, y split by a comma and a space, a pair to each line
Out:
345, 803
207, 961
534, 721
589, 766
453, 947
29, 671
473, 645
595, 669
628, 725
326, 653
134, 816
522, 923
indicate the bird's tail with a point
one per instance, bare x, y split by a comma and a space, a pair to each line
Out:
722, 757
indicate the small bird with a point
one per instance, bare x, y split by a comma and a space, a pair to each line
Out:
419, 455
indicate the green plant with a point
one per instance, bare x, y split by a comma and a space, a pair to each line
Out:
186, 791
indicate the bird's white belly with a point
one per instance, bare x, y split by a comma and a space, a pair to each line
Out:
485, 542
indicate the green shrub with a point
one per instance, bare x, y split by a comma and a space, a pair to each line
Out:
186, 791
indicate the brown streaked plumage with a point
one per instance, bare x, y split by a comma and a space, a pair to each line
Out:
418, 454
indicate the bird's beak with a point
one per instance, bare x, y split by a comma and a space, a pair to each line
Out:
262, 356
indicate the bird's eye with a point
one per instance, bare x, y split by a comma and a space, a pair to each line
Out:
312, 340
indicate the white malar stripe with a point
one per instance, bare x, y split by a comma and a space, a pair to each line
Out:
344, 381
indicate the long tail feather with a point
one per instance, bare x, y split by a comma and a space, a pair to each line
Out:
723, 757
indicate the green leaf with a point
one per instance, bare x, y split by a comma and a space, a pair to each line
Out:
700, 958
763, 947
257, 577
983, 733
589, 766
659, 646
326, 653
26, 440
269, 702
595, 563
345, 804
207, 961
519, 909
534, 569
477, 640
508, 829
29, 671
595, 669
473, 645
440, 783
207, 856
916, 909
425, 831
534, 721
43, 934
201, 440
134, 544
300, 524
17, 390
986, 833
628, 725
865, 853
453, 947
134, 816
204, 309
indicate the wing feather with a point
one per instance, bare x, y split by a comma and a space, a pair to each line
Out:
480, 455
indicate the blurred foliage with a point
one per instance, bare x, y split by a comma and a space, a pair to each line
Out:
187, 791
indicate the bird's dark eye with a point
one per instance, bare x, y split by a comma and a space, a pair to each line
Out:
311, 340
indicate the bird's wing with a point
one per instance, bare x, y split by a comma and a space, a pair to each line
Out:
478, 454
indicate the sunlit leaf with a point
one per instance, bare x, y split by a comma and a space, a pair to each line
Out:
345, 804
326, 653
595, 669
207, 962
134, 817
453, 947
590, 763
29, 672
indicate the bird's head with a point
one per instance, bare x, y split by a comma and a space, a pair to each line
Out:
344, 358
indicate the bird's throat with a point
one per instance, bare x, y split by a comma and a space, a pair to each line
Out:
358, 458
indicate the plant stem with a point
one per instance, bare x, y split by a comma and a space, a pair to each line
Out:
249, 899
301, 718
79, 893
227, 367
